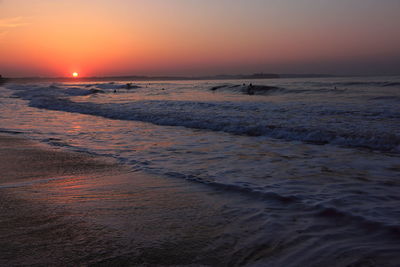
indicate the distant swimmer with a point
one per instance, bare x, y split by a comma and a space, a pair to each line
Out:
250, 90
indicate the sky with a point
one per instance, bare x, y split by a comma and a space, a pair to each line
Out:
198, 37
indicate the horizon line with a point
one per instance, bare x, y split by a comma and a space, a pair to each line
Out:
205, 77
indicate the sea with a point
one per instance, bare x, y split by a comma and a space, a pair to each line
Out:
320, 156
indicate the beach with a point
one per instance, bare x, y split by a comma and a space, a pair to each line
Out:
174, 173
61, 209
66, 209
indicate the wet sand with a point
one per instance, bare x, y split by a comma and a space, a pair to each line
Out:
66, 209
57, 209
24, 160
63, 208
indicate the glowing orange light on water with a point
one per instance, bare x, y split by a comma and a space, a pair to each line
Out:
75, 74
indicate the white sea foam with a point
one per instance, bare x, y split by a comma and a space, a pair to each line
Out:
344, 124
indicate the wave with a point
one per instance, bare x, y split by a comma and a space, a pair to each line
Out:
112, 86
321, 87
268, 195
342, 214
372, 225
343, 125
357, 83
241, 119
10, 131
393, 98
267, 89
391, 84
249, 89
54, 90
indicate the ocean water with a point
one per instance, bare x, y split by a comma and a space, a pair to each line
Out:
323, 150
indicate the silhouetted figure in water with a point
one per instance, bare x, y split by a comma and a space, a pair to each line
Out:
250, 90
115, 90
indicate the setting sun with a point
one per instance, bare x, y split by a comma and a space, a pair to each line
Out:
75, 74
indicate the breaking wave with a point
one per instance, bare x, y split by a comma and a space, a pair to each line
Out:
320, 124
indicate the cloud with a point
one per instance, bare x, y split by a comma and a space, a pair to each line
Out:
12, 22
6, 24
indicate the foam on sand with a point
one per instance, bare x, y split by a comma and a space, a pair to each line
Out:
101, 213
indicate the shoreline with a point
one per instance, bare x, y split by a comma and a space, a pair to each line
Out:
62, 208
24, 160
67, 208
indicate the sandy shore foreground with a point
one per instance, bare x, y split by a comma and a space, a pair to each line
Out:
60, 208
67, 209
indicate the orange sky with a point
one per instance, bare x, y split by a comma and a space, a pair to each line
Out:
193, 37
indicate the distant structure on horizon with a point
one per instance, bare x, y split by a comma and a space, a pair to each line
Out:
254, 76
251, 76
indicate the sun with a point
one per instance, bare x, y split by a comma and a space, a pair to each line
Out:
75, 74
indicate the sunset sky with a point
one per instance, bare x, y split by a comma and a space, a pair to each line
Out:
198, 37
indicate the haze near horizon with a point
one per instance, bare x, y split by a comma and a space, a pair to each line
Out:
174, 37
